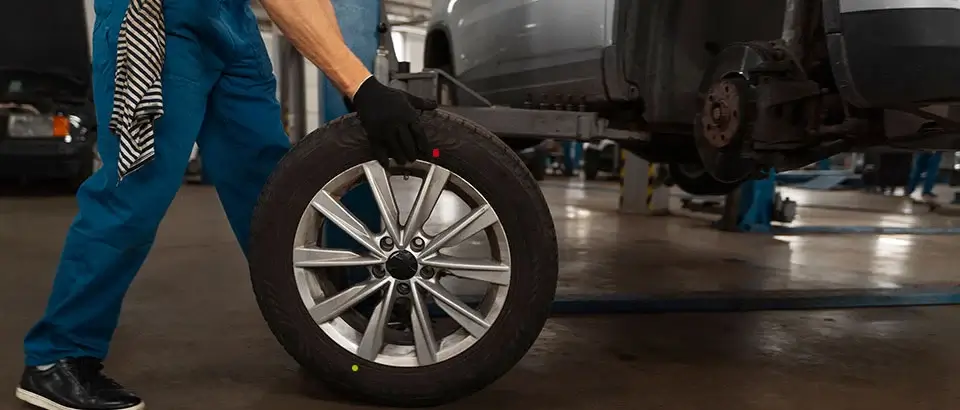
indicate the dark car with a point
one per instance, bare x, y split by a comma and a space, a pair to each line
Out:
47, 120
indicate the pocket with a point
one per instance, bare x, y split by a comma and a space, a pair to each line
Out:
104, 50
261, 56
103, 67
256, 43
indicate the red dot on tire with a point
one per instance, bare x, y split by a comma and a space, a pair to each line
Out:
436, 153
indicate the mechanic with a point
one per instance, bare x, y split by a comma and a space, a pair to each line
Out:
185, 71
926, 166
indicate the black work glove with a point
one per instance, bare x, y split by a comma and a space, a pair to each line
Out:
390, 118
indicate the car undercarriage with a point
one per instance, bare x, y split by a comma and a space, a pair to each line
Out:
790, 83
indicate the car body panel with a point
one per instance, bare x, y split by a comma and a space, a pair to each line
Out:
863, 36
507, 49
597, 51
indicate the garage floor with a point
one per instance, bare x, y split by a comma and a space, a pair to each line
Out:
192, 338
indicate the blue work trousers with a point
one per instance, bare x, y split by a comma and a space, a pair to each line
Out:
219, 91
926, 166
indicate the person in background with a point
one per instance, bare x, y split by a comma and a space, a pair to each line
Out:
926, 166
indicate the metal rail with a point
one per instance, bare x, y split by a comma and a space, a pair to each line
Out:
508, 122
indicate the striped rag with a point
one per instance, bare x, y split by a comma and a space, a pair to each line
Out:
138, 97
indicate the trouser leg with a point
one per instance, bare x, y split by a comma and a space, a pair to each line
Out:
933, 172
243, 137
117, 223
919, 166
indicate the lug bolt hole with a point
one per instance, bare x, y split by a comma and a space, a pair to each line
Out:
386, 243
403, 289
417, 244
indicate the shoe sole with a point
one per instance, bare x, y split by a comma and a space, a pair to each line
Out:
45, 403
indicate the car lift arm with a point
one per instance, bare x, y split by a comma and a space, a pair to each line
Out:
508, 122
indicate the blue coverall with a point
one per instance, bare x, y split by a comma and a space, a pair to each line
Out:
220, 92
926, 166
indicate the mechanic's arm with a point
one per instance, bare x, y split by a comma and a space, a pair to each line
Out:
388, 115
311, 25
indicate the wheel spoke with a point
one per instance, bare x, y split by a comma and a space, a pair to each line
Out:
424, 341
427, 198
314, 257
334, 211
485, 270
476, 221
383, 194
372, 341
459, 312
334, 306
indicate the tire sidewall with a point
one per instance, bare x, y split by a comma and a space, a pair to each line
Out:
701, 183
486, 163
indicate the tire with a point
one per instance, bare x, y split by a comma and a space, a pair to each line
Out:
537, 165
695, 180
488, 165
591, 164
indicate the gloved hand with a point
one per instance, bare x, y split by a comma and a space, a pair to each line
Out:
390, 118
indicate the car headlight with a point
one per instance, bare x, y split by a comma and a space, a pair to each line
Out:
38, 126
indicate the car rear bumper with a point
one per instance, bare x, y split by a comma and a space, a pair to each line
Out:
889, 53
42, 158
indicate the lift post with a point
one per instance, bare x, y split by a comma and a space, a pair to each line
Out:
291, 82
572, 154
641, 190
750, 207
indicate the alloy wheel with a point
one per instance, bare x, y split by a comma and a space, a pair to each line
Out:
414, 318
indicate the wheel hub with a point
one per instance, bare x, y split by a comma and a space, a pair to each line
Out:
723, 129
402, 265
721, 116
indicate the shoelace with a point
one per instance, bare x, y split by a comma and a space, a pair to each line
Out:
90, 371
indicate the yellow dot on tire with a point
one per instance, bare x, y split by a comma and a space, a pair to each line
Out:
355, 368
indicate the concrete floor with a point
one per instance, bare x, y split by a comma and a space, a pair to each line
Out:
191, 336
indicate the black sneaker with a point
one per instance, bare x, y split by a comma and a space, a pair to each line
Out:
75, 384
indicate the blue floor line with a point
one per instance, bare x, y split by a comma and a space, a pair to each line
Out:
809, 300
875, 230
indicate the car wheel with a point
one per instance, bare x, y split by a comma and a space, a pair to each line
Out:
693, 179
537, 164
417, 342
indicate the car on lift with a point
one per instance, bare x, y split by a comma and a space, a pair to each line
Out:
724, 95
47, 120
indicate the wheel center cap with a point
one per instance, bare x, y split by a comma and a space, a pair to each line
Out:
402, 265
